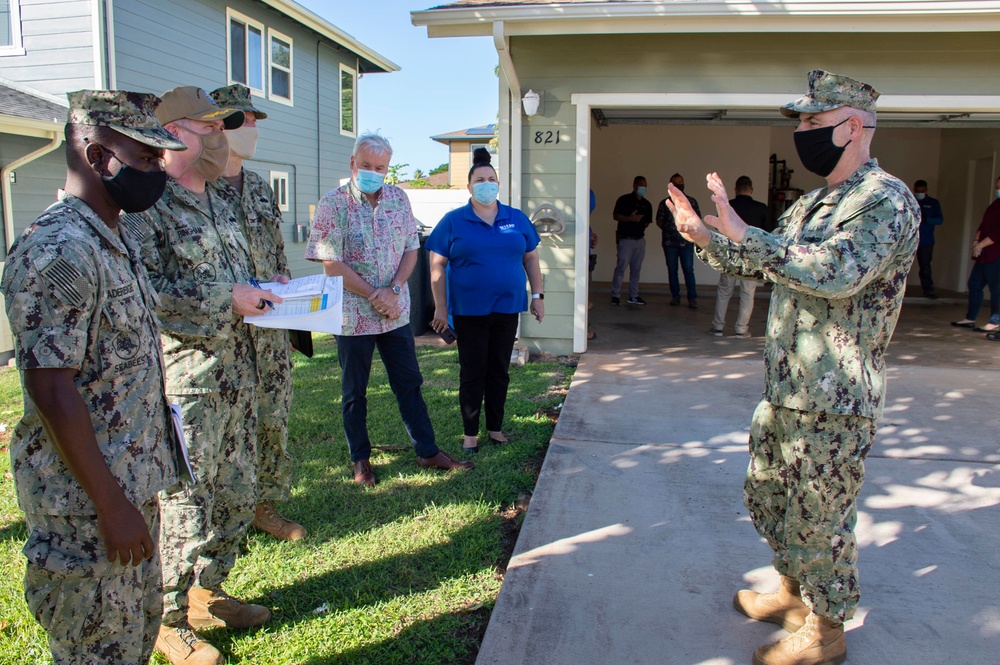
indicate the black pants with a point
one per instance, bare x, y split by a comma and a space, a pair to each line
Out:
924, 255
484, 347
400, 359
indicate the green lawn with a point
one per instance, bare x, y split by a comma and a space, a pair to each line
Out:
407, 572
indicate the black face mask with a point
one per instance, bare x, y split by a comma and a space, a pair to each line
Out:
133, 190
817, 150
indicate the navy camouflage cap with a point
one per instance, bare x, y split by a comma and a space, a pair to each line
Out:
193, 103
831, 91
130, 113
236, 96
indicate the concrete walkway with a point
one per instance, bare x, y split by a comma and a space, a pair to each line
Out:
637, 538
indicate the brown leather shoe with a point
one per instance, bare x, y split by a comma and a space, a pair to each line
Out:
269, 520
363, 474
783, 607
818, 642
208, 608
182, 646
443, 461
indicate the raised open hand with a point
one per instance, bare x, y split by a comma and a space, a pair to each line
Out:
727, 222
686, 220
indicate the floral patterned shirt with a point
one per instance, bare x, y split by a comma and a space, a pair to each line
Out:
371, 241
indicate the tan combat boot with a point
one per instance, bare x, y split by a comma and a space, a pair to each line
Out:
269, 520
783, 607
182, 646
818, 642
209, 608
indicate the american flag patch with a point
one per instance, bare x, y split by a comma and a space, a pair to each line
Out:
66, 282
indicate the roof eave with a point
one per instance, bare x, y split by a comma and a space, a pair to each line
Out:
320, 25
715, 16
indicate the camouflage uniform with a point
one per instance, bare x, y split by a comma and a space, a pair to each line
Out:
838, 263
78, 297
260, 221
195, 252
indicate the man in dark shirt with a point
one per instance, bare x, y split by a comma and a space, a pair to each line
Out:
633, 214
676, 248
930, 216
756, 214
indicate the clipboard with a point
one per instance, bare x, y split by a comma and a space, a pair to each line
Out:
302, 341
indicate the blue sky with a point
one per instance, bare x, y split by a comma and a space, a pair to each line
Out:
443, 85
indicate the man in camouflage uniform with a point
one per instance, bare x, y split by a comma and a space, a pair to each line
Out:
95, 444
838, 263
253, 204
200, 265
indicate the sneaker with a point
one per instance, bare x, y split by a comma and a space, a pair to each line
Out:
269, 520
208, 608
674, 302
182, 646
743, 335
717, 332
636, 301
692, 304
616, 300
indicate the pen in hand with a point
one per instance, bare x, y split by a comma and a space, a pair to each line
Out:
267, 303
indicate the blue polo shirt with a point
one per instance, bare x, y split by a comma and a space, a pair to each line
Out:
485, 263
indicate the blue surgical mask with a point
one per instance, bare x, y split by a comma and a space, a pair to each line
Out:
369, 182
641, 191
485, 192
998, 193
920, 196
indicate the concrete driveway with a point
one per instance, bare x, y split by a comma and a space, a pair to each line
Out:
637, 538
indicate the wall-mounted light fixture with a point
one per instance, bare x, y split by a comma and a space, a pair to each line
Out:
531, 100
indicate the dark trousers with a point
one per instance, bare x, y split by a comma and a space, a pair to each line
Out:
484, 347
924, 255
686, 257
400, 359
984, 276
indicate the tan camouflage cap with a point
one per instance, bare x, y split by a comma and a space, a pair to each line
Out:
831, 91
236, 96
193, 103
128, 113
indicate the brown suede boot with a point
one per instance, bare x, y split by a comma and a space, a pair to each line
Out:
818, 642
182, 646
208, 608
783, 607
269, 520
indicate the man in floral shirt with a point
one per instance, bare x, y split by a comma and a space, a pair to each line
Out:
365, 232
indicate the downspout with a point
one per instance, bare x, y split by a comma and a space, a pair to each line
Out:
513, 105
8, 204
512, 110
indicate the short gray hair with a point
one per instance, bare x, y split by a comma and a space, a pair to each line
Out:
372, 142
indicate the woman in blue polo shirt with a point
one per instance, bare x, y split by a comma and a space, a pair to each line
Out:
484, 250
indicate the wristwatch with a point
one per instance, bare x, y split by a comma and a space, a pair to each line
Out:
538, 296
396, 289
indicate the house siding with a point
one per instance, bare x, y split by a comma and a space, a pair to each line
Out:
926, 63
37, 182
58, 38
304, 139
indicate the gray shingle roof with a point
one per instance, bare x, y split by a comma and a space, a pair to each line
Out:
22, 104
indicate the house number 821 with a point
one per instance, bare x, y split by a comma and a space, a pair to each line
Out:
547, 137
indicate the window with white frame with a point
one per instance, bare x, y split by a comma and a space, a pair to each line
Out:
279, 183
10, 28
246, 51
280, 71
348, 82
